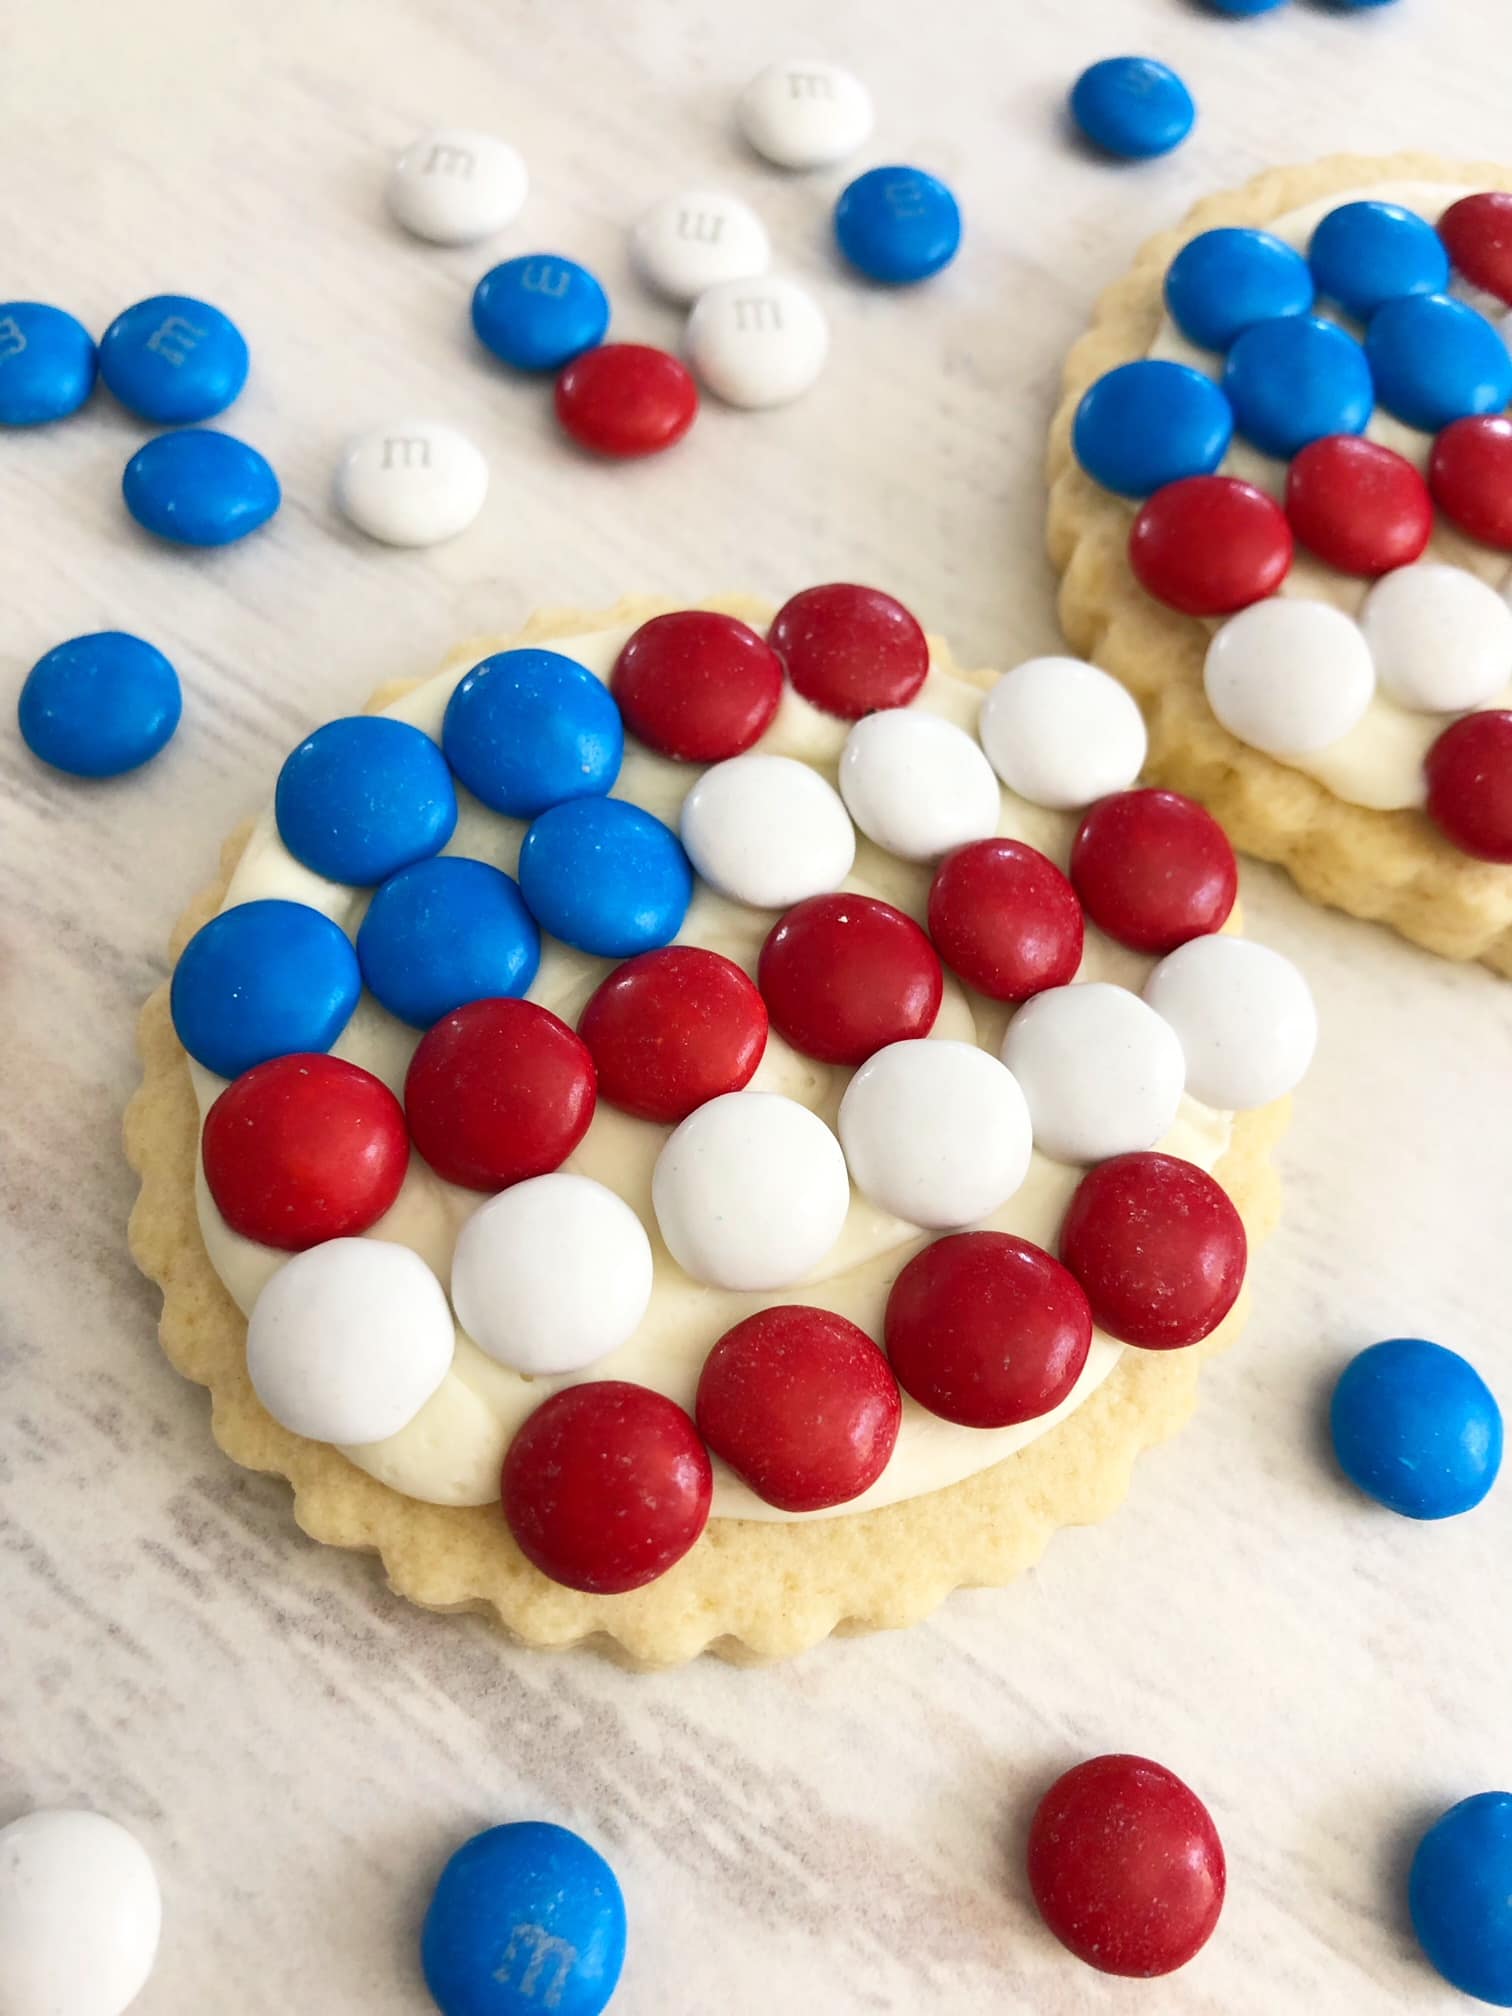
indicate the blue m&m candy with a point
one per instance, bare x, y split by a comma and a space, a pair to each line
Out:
1149, 423
99, 705
525, 1918
200, 488
606, 877
527, 729
262, 980
363, 797
445, 932
1365, 254
174, 360
1243, 7
898, 225
47, 363
1417, 1428
1296, 379
1133, 107
1222, 282
540, 311
1460, 1895
1436, 360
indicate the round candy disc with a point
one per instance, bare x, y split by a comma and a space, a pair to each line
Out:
1209, 545
690, 242
1061, 732
805, 114
527, 729
1101, 1072
935, 1132
363, 797
1470, 474
1126, 1866
498, 1091
1289, 675
1159, 1248
174, 360
200, 488
697, 686
1132, 107
850, 650
605, 876
898, 225
1368, 253
607, 1486
768, 831
671, 1029
626, 399
1005, 919
1477, 231
1221, 282
453, 185
1149, 423
552, 1274
1358, 506
1469, 773
539, 311
1416, 1428
1153, 869
303, 1149
80, 1915
260, 980
444, 932
1435, 360
917, 785
411, 482
1295, 380
47, 363
987, 1330
757, 343
801, 1405
1460, 1896
101, 705
1441, 637
844, 975
1244, 1017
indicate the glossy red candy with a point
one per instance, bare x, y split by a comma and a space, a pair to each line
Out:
497, 1091
302, 1149
1005, 919
696, 685
1126, 1866
842, 976
1159, 1248
606, 1486
1208, 545
1358, 506
802, 1406
1153, 869
1477, 231
985, 1329
1470, 475
850, 650
671, 1029
626, 399
1469, 772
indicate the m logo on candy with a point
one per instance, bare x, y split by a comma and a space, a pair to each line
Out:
525, 1961
446, 159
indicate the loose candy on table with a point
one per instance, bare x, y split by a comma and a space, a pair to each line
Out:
1153, 869
1470, 476
695, 239
80, 1914
805, 114
850, 650
200, 488
1062, 733
844, 975
1436, 360
671, 1029
552, 1274
1289, 676
1209, 545
1441, 638
348, 1340
768, 831
1101, 1072
605, 877
539, 311
261, 980
1477, 232
100, 705
363, 797
1132, 107
528, 729
453, 185
1368, 253
412, 482
1159, 1248
1244, 1017
898, 225
444, 932
48, 363
174, 360
623, 400
1005, 919
917, 785
1222, 282
1469, 777
935, 1132
1295, 380
1416, 1428
1148, 423
1359, 506
697, 686
1459, 1892
757, 343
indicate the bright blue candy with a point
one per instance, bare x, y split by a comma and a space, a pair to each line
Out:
174, 359
261, 980
47, 363
1238, 7
363, 797
898, 225
1365, 254
444, 932
1460, 1896
200, 488
540, 311
528, 729
1296, 379
606, 877
1133, 107
1149, 423
1436, 360
1222, 282
525, 1918
99, 705
1417, 1428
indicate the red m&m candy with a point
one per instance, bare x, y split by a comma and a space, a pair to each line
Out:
1209, 545
1469, 772
626, 399
843, 976
303, 1149
1477, 231
1358, 506
850, 650
497, 1091
1153, 869
1159, 1248
670, 1030
1470, 475
1004, 917
696, 685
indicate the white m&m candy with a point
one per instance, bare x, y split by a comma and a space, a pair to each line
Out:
757, 342
805, 114
452, 186
552, 1274
1289, 676
1062, 733
768, 831
348, 1340
917, 785
690, 242
80, 1915
1244, 1017
1441, 637
750, 1191
1102, 1073
936, 1132
413, 483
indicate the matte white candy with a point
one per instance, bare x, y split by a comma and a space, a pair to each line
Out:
1062, 733
1244, 1018
805, 114
452, 186
692, 241
917, 784
1289, 676
413, 483
551, 1274
1101, 1072
80, 1915
768, 831
348, 1341
1441, 638
750, 1191
935, 1132
757, 342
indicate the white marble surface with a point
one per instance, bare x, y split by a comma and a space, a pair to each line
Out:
300, 1750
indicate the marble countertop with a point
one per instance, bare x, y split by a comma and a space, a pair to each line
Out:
843, 1834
